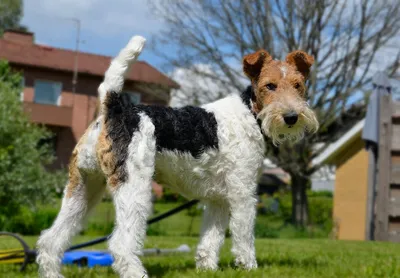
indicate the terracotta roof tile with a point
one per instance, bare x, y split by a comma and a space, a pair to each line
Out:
61, 59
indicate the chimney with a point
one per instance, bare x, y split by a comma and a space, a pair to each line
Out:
18, 36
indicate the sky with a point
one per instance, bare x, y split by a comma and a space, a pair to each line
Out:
106, 26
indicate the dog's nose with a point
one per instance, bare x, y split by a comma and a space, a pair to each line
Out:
290, 118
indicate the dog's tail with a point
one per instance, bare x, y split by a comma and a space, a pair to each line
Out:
119, 67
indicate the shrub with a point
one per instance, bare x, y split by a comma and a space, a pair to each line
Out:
98, 228
277, 224
155, 229
31, 222
24, 180
262, 231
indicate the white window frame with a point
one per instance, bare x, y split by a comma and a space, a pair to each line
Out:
51, 81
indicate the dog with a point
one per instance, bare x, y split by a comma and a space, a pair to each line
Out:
212, 153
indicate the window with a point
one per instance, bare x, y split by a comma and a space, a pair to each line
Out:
131, 97
47, 92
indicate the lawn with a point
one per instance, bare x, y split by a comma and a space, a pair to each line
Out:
276, 258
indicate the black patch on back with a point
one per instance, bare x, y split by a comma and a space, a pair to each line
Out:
120, 123
188, 130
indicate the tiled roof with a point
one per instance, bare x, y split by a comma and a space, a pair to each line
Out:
61, 59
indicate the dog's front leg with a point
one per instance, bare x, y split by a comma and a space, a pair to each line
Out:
215, 222
243, 214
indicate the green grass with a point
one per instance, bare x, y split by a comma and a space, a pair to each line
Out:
276, 258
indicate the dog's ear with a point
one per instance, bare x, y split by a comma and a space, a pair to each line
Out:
301, 61
253, 63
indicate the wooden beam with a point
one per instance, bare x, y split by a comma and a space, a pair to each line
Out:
395, 174
384, 166
394, 207
396, 138
394, 237
369, 220
396, 109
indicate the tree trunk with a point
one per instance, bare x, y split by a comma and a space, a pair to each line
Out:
299, 200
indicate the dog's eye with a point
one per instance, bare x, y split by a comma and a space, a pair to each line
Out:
271, 86
297, 85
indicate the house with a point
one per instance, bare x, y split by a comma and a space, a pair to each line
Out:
350, 158
60, 87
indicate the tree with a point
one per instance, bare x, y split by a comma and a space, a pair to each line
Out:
10, 15
24, 181
346, 38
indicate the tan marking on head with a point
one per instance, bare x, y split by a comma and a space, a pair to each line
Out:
301, 61
253, 63
285, 77
271, 84
279, 88
106, 158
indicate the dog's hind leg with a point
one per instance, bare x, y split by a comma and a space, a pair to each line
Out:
132, 200
215, 222
80, 196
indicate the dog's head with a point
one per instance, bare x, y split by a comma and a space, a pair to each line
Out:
280, 94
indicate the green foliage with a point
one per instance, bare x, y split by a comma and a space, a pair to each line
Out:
156, 229
10, 15
98, 228
24, 181
170, 196
194, 211
265, 231
320, 205
272, 224
322, 193
30, 222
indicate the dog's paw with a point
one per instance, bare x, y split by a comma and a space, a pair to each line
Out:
205, 262
246, 264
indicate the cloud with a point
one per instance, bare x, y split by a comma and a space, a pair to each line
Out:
196, 87
106, 26
101, 17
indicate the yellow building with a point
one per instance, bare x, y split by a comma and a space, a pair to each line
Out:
350, 206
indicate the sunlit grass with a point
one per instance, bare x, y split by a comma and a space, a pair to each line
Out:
276, 258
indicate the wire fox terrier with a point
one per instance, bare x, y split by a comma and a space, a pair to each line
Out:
212, 153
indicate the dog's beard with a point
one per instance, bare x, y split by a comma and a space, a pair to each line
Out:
273, 124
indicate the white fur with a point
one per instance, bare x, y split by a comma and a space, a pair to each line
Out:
119, 67
54, 241
132, 202
273, 124
87, 158
224, 179
284, 71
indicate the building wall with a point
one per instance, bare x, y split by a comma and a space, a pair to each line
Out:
83, 104
350, 198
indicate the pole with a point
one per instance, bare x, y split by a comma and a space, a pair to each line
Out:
75, 75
